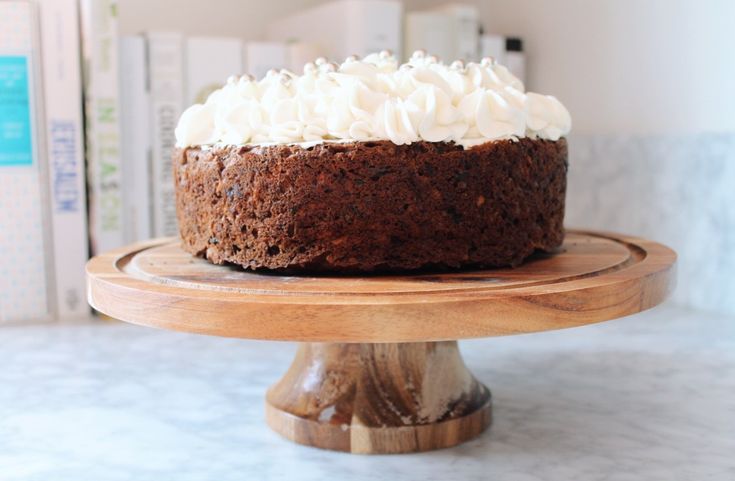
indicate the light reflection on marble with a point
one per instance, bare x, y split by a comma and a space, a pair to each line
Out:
677, 189
646, 397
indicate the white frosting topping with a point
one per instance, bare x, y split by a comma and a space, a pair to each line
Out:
375, 99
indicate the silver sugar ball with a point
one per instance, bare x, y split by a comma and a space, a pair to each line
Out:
457, 65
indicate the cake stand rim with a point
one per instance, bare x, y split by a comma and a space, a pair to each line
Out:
426, 317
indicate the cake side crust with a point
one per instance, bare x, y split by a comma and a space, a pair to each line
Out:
371, 206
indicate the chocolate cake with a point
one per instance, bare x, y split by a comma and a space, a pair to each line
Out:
372, 205
402, 178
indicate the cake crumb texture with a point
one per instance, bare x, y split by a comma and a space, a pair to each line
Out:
371, 206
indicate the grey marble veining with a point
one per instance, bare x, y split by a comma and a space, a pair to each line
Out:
648, 397
677, 189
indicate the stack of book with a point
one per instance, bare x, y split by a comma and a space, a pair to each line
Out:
87, 120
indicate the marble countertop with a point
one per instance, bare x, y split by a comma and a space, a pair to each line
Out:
651, 396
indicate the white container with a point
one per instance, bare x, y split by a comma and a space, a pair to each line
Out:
343, 28
515, 58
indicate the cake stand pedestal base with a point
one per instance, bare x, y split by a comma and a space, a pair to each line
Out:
378, 398
380, 383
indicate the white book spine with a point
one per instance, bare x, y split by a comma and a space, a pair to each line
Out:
102, 118
65, 149
26, 270
166, 71
136, 144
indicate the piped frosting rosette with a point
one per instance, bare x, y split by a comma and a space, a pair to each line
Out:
374, 98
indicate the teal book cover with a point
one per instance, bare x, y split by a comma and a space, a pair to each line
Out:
16, 147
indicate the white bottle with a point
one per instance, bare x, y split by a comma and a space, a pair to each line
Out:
515, 59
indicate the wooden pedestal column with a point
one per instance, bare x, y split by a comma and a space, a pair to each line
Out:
378, 398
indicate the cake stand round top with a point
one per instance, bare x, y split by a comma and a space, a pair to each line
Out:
594, 277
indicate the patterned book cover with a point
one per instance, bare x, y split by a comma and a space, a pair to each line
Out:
25, 263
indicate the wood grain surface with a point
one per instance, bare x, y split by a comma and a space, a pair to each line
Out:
388, 377
378, 398
594, 277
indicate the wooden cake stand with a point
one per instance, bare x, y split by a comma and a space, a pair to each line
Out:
378, 370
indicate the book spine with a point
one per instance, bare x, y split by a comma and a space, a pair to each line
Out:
65, 151
166, 70
26, 270
102, 124
136, 140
